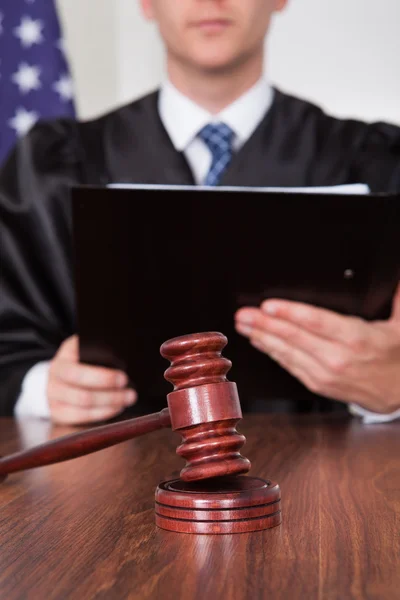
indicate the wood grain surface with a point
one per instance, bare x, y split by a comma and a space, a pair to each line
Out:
85, 529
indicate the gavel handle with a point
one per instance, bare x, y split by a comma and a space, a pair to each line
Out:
86, 442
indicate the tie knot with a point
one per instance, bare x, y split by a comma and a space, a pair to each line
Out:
218, 137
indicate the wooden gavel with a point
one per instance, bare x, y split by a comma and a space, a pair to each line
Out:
204, 408
211, 496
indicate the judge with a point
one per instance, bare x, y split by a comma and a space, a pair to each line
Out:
215, 121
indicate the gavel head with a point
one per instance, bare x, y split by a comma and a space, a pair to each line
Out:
204, 406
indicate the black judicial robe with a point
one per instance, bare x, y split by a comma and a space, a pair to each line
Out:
295, 145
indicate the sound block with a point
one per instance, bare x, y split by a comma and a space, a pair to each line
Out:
222, 505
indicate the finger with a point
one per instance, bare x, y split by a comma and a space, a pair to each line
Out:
90, 399
322, 350
69, 350
64, 414
321, 322
302, 366
86, 376
311, 374
396, 305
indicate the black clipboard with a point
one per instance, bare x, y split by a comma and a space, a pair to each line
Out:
154, 262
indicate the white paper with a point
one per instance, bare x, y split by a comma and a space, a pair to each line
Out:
357, 188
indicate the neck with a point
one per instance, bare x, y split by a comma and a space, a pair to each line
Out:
215, 90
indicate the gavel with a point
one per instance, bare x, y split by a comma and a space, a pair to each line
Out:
204, 408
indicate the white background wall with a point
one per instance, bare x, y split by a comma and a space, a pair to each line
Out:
342, 54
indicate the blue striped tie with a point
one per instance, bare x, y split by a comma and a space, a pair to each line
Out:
219, 139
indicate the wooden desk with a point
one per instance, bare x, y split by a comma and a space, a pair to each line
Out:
85, 529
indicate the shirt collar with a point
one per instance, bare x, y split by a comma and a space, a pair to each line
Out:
183, 118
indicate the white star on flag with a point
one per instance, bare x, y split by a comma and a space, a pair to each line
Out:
23, 121
29, 32
64, 87
61, 45
27, 78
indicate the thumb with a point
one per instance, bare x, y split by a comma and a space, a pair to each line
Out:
396, 306
69, 350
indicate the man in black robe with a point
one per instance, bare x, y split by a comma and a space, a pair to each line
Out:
217, 122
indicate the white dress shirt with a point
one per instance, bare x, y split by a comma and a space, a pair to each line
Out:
183, 119
32, 401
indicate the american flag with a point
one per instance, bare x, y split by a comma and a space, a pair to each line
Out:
35, 82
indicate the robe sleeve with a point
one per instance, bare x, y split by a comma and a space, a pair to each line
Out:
351, 151
377, 161
36, 274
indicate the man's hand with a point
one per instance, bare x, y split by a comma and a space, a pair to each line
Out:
344, 358
80, 393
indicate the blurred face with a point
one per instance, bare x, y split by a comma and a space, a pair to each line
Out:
212, 34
